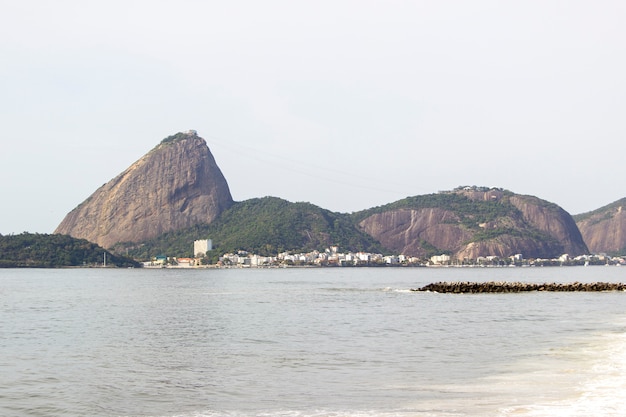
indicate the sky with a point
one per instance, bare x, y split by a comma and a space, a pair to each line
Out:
344, 104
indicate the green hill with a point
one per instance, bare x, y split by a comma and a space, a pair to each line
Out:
469, 211
50, 251
467, 222
265, 226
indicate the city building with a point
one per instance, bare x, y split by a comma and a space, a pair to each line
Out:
201, 247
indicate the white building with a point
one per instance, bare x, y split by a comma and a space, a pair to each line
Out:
364, 257
440, 259
391, 260
201, 247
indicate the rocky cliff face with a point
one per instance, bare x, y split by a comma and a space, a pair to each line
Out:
412, 231
470, 223
604, 230
174, 186
552, 220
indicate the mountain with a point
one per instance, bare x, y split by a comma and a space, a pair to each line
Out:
174, 186
176, 194
604, 229
470, 222
265, 226
465, 223
48, 251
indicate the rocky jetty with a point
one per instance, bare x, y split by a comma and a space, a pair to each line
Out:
174, 186
514, 287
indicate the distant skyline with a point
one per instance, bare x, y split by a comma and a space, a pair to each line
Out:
344, 104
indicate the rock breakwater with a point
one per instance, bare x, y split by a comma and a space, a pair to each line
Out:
514, 287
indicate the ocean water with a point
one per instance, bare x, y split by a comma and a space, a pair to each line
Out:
308, 342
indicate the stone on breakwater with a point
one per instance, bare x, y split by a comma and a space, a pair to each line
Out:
514, 287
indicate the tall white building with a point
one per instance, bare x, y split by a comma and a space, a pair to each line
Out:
201, 247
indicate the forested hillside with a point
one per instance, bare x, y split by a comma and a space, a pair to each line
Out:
470, 212
49, 251
265, 226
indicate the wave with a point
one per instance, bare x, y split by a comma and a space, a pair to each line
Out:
600, 389
315, 413
361, 290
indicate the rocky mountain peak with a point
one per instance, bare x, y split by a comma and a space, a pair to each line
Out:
604, 229
174, 186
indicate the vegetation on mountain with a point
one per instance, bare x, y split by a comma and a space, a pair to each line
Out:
177, 137
268, 226
50, 251
602, 213
471, 222
265, 226
471, 212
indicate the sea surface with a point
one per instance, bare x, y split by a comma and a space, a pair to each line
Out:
303, 342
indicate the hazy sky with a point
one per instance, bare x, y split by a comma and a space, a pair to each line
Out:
344, 104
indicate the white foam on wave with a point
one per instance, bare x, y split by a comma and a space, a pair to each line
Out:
316, 413
583, 379
600, 390
398, 290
